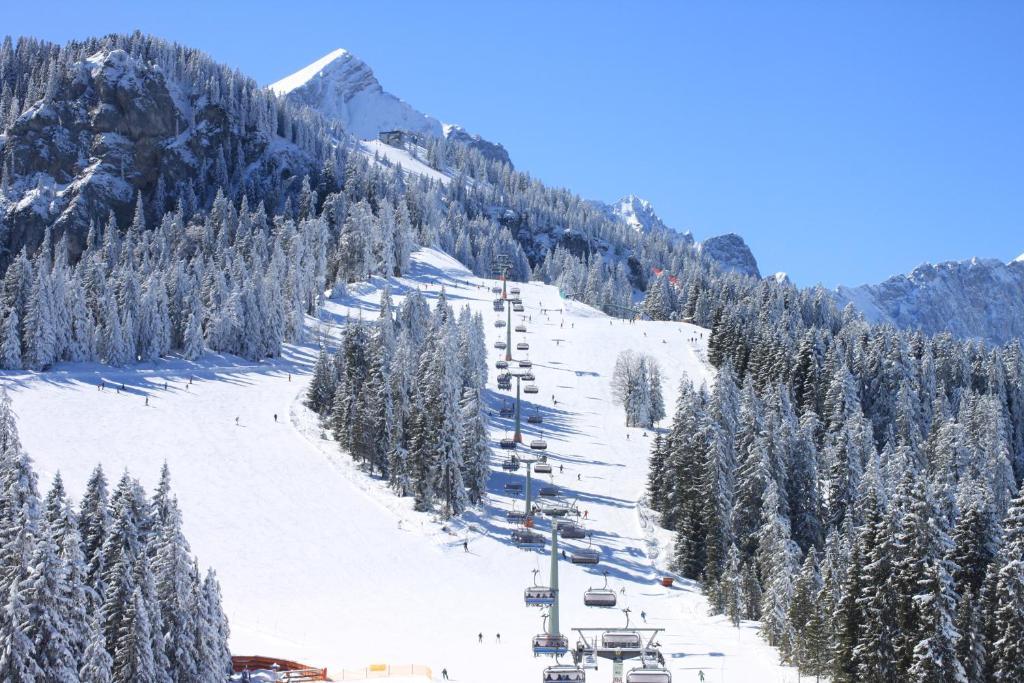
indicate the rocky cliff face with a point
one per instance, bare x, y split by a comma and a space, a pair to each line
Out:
112, 127
343, 88
980, 298
731, 253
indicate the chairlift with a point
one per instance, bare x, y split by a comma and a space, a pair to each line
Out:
524, 538
514, 291
499, 306
525, 363
531, 389
549, 644
501, 364
500, 323
653, 674
554, 510
500, 344
507, 442
506, 410
586, 556
534, 417
517, 308
600, 597
540, 445
496, 289
586, 657
510, 465
505, 381
564, 673
520, 327
548, 492
620, 640
571, 530
541, 467
514, 486
522, 346
539, 596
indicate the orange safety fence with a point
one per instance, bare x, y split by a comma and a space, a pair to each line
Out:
384, 671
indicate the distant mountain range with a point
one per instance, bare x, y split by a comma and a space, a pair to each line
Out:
979, 298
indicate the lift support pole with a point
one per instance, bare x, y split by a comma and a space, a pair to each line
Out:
518, 436
508, 334
553, 618
529, 490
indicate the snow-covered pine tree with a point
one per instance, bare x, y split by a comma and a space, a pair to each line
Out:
475, 446
935, 656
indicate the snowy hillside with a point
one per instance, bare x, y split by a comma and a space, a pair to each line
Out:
320, 563
343, 88
979, 298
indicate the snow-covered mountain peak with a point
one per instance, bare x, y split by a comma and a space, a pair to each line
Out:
1019, 259
343, 87
304, 75
636, 212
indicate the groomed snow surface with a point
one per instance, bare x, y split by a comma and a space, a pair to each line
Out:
321, 564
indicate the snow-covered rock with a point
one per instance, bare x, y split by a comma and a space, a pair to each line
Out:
979, 298
344, 88
635, 212
731, 253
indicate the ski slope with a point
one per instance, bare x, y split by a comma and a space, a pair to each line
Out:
321, 564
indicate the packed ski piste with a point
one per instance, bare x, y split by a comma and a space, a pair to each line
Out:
560, 573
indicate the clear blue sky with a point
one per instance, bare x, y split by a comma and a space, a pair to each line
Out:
846, 141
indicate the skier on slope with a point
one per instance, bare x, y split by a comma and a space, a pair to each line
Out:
480, 638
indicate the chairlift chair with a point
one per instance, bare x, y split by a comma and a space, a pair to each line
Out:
515, 517
554, 510
522, 346
586, 657
531, 389
586, 556
621, 640
571, 530
514, 291
540, 445
525, 363
564, 673
534, 417
510, 465
548, 492
506, 411
507, 442
517, 308
500, 344
654, 674
541, 467
539, 596
548, 644
505, 381
514, 486
500, 323
501, 364
520, 328
600, 597
524, 538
